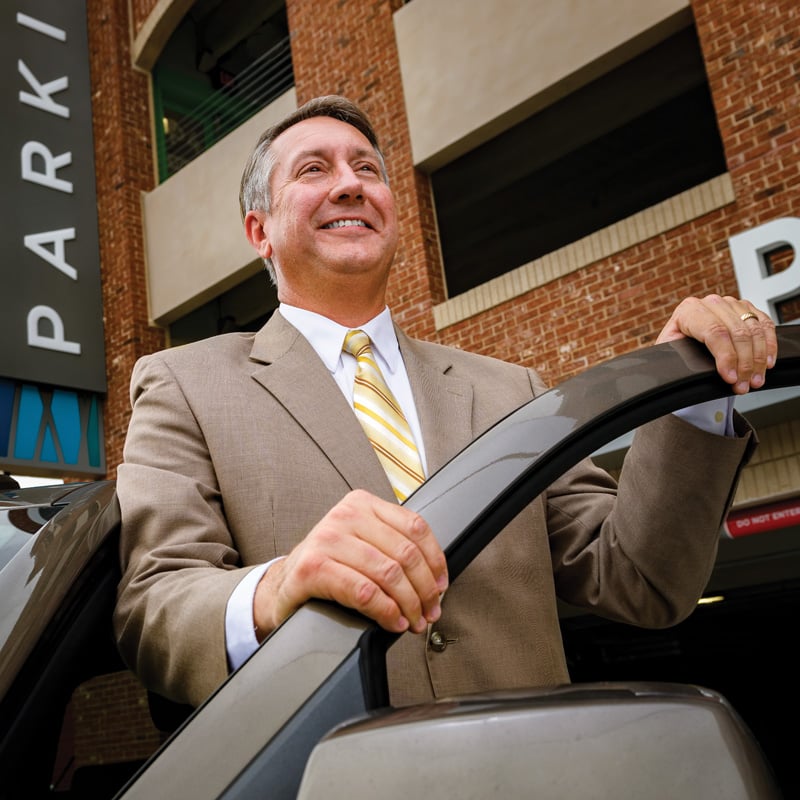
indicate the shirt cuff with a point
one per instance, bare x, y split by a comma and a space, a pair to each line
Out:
714, 416
240, 634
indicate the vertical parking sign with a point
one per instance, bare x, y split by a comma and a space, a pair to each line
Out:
52, 359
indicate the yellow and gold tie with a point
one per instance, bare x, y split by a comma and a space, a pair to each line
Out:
382, 419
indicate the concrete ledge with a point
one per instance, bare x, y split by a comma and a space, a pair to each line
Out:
195, 246
147, 44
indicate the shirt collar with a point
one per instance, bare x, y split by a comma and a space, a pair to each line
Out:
327, 336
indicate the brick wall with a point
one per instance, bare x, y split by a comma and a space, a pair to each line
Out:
123, 155
348, 47
111, 721
754, 72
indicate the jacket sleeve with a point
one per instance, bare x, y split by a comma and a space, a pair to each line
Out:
643, 553
179, 564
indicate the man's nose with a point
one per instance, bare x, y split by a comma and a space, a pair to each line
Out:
347, 185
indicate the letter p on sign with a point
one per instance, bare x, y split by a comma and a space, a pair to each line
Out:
750, 251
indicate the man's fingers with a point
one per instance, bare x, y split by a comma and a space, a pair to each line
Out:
766, 341
404, 559
740, 336
360, 576
752, 335
352, 588
416, 531
370, 555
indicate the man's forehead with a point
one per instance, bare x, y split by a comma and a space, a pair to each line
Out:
319, 134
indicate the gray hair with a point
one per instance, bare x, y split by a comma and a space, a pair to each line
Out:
254, 190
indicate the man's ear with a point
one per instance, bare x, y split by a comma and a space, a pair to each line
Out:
255, 229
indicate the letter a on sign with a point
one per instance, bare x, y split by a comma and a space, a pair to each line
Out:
57, 257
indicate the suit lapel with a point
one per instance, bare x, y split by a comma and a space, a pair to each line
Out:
443, 401
287, 366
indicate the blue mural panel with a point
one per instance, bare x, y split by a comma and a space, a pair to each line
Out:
29, 417
67, 418
50, 428
7, 393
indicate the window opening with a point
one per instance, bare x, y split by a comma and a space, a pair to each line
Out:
632, 138
220, 67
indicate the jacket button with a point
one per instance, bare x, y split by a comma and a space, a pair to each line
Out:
438, 642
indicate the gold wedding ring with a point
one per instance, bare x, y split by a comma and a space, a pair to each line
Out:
748, 315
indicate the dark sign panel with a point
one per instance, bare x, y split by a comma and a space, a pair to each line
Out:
52, 362
50, 300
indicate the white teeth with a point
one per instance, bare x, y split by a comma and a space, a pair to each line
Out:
346, 223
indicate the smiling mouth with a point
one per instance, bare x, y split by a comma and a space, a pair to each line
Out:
346, 223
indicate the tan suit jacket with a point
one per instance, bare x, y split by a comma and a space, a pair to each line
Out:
239, 444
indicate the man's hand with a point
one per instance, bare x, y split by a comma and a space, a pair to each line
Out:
739, 336
368, 554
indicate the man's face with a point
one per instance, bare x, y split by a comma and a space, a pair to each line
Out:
332, 214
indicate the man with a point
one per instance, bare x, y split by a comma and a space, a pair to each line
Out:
249, 486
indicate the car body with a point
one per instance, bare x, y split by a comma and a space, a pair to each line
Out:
308, 714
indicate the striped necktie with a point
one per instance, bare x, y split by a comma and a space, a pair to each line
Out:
382, 419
